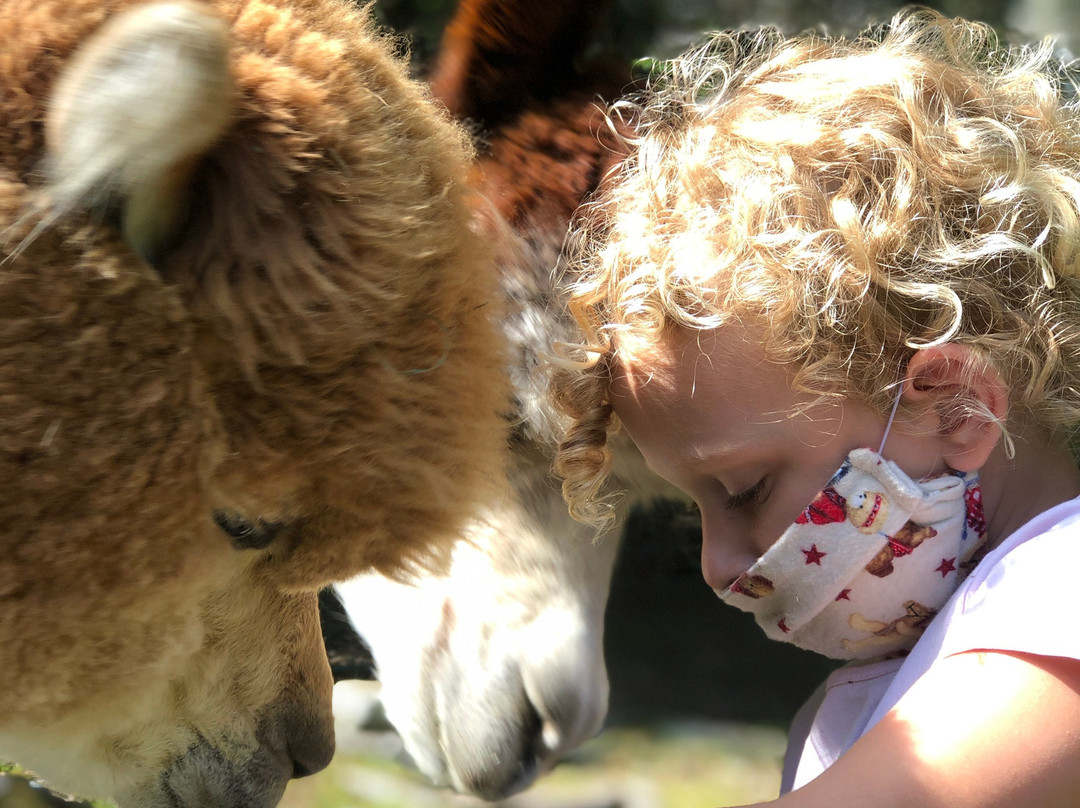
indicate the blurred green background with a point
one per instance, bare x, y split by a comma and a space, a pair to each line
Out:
699, 698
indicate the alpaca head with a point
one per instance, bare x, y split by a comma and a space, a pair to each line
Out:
247, 351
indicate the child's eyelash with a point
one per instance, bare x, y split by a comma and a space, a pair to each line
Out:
754, 495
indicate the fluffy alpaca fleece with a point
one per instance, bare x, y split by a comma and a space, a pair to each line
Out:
517, 624
243, 353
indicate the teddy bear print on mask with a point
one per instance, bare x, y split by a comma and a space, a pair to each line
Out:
900, 544
834, 582
753, 586
866, 511
883, 635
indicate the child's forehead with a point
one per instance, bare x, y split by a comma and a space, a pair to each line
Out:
675, 345
714, 401
689, 363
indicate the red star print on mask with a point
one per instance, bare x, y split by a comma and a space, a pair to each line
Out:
947, 565
814, 555
843, 595
783, 626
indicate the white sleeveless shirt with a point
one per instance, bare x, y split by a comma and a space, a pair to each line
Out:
1022, 597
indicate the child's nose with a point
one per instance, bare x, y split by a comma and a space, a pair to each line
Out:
726, 552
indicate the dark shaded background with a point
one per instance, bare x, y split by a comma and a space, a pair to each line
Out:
675, 651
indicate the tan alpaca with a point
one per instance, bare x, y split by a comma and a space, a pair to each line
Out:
245, 350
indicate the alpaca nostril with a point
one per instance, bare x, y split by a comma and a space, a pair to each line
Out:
310, 752
300, 769
302, 738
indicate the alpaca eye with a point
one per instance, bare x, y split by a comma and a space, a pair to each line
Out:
246, 534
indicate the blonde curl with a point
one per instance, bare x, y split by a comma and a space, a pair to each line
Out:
860, 198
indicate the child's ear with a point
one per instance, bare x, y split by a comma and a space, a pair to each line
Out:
961, 398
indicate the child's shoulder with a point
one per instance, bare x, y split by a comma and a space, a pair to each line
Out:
1014, 601
1023, 586
1051, 539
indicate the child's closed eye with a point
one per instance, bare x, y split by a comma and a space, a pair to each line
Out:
752, 496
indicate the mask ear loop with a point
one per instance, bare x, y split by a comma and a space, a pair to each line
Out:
892, 416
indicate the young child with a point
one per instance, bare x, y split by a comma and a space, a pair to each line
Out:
847, 273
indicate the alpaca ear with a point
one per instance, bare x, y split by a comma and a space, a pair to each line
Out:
961, 398
134, 109
498, 55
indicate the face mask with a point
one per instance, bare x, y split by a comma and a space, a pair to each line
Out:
868, 563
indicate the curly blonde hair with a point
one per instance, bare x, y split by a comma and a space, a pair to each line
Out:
859, 198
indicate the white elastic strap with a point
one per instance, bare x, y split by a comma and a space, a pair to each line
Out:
892, 415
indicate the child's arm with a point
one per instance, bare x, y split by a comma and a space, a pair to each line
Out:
979, 730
